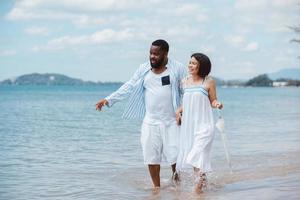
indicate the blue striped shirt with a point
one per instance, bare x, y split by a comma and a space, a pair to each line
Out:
134, 89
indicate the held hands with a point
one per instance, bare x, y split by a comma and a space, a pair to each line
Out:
178, 117
101, 103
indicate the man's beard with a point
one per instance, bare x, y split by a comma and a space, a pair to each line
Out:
157, 64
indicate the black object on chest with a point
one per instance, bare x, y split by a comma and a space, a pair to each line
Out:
165, 80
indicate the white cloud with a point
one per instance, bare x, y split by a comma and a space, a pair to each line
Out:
187, 9
177, 30
109, 35
235, 40
239, 41
279, 22
37, 31
282, 59
252, 46
7, 52
100, 37
246, 68
23, 14
250, 4
104, 5
141, 32
191, 11
202, 18
271, 15
264, 4
115, 14
181, 32
85, 20
285, 3
242, 70
208, 49
65, 9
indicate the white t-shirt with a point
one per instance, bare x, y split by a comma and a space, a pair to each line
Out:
158, 98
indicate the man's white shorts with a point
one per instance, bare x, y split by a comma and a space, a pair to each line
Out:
160, 141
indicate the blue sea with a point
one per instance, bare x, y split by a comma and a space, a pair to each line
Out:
55, 145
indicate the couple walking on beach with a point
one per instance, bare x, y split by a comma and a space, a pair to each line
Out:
176, 108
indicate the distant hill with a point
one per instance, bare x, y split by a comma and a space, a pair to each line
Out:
48, 79
260, 81
292, 73
59, 79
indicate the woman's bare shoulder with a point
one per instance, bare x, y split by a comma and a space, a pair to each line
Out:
210, 81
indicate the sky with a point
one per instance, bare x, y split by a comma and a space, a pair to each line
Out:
107, 40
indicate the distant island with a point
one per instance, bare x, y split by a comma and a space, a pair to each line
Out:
262, 80
281, 78
50, 79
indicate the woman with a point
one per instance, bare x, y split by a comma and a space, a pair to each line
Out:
196, 119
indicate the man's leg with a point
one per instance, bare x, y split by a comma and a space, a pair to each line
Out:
154, 171
152, 151
171, 147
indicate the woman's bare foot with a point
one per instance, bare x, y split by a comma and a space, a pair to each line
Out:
200, 182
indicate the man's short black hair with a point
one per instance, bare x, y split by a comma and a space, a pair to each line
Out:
204, 64
164, 46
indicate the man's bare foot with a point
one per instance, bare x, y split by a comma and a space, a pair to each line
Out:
155, 190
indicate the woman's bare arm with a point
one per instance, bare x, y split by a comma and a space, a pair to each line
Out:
212, 94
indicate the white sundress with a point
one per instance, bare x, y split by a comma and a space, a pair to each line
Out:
197, 130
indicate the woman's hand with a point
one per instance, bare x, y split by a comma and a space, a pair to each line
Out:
217, 104
178, 116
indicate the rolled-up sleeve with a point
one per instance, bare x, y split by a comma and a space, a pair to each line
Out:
125, 90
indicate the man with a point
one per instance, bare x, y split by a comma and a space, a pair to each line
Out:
154, 95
